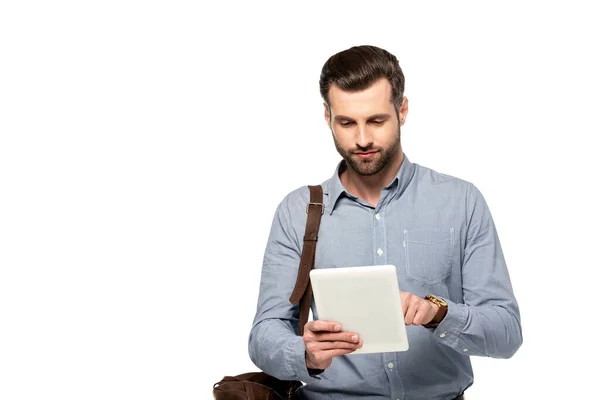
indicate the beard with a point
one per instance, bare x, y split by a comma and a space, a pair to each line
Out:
372, 166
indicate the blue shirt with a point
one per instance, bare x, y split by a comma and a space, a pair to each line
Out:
438, 232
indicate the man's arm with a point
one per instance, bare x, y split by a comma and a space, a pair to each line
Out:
273, 344
488, 323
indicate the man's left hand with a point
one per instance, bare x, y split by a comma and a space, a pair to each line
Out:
417, 310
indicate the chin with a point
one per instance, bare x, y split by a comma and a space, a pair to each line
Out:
368, 170
365, 167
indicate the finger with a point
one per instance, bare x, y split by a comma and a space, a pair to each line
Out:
328, 354
321, 325
342, 336
315, 347
404, 299
422, 315
410, 314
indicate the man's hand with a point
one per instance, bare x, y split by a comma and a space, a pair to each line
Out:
325, 340
417, 310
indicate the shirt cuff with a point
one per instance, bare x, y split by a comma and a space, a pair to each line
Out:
296, 361
448, 331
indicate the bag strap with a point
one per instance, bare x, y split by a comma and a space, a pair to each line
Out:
303, 291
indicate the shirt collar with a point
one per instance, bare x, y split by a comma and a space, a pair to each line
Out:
336, 188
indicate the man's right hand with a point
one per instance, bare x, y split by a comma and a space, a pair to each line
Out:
325, 340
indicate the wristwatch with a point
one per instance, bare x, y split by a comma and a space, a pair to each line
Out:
443, 309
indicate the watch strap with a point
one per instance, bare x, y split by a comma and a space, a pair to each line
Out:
439, 316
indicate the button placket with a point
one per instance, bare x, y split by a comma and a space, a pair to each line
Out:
379, 237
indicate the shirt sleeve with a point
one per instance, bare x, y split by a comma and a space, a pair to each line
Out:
273, 343
488, 323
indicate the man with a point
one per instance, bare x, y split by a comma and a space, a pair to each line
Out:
382, 209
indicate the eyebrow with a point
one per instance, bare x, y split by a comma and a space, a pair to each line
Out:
376, 116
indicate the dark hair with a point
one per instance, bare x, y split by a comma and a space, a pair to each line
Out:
359, 67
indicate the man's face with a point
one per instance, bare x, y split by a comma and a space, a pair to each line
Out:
365, 126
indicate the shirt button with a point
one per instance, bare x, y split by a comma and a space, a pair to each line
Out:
443, 335
465, 350
377, 216
379, 251
390, 365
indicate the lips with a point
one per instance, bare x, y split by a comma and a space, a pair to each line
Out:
365, 155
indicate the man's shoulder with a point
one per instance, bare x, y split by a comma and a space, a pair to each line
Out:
300, 196
433, 177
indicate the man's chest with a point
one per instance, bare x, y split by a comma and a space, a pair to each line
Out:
423, 241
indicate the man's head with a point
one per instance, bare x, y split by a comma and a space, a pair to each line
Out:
363, 92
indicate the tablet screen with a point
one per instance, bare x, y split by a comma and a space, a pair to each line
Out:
365, 300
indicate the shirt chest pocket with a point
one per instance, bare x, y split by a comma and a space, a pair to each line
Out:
428, 253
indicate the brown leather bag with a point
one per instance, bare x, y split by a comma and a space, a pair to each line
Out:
259, 385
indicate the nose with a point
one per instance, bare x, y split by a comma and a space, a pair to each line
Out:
364, 139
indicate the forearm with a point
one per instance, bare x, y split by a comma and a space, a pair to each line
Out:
486, 321
483, 330
276, 349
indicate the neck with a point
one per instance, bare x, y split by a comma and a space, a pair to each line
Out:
368, 188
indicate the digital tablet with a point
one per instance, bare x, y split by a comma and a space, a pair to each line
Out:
365, 300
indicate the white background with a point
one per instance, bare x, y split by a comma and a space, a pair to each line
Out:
145, 146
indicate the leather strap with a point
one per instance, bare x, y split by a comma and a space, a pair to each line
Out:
303, 291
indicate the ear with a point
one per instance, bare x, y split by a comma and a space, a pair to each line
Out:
403, 112
327, 115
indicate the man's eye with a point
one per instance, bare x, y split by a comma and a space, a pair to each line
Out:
346, 123
378, 122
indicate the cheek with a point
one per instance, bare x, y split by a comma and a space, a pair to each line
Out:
387, 135
344, 137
